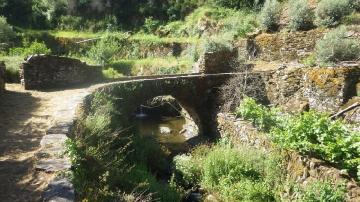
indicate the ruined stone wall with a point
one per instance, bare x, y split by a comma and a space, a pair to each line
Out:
45, 71
216, 62
298, 168
283, 46
2, 76
321, 89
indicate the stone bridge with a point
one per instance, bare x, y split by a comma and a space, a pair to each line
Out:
196, 93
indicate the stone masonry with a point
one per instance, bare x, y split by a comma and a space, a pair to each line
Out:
2, 76
44, 71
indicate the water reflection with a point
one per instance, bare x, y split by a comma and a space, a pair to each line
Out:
166, 130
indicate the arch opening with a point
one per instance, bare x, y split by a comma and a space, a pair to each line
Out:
169, 122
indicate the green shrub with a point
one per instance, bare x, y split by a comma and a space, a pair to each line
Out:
216, 44
105, 49
236, 4
262, 117
309, 61
30, 49
322, 192
330, 12
309, 133
317, 134
355, 4
6, 33
301, 15
69, 22
335, 46
270, 15
151, 25
244, 174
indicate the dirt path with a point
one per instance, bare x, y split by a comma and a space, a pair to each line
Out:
24, 118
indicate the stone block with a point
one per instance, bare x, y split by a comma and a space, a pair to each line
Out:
45, 71
2, 76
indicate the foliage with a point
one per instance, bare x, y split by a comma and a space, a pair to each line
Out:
12, 64
244, 174
236, 4
32, 48
309, 61
6, 32
355, 4
216, 44
317, 134
330, 12
335, 46
262, 117
109, 162
322, 192
105, 49
68, 22
270, 15
150, 25
301, 15
310, 133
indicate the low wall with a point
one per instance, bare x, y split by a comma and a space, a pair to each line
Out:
322, 89
216, 62
2, 76
300, 169
44, 71
284, 46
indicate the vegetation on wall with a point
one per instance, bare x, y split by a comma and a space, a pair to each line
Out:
310, 133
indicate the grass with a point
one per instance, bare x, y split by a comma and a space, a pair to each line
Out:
229, 172
152, 66
12, 64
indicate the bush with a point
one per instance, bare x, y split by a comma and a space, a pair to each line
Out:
355, 4
244, 174
216, 44
330, 12
335, 46
322, 192
270, 15
6, 32
317, 134
104, 51
262, 117
30, 49
236, 4
69, 22
301, 15
151, 25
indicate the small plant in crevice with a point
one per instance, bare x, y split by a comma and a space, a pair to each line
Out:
330, 12
301, 15
270, 15
335, 46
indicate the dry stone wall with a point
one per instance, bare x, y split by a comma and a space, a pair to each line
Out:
44, 71
216, 62
298, 168
2, 76
321, 89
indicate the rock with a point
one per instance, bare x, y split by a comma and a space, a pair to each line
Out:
53, 165
59, 190
2, 76
210, 198
165, 130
